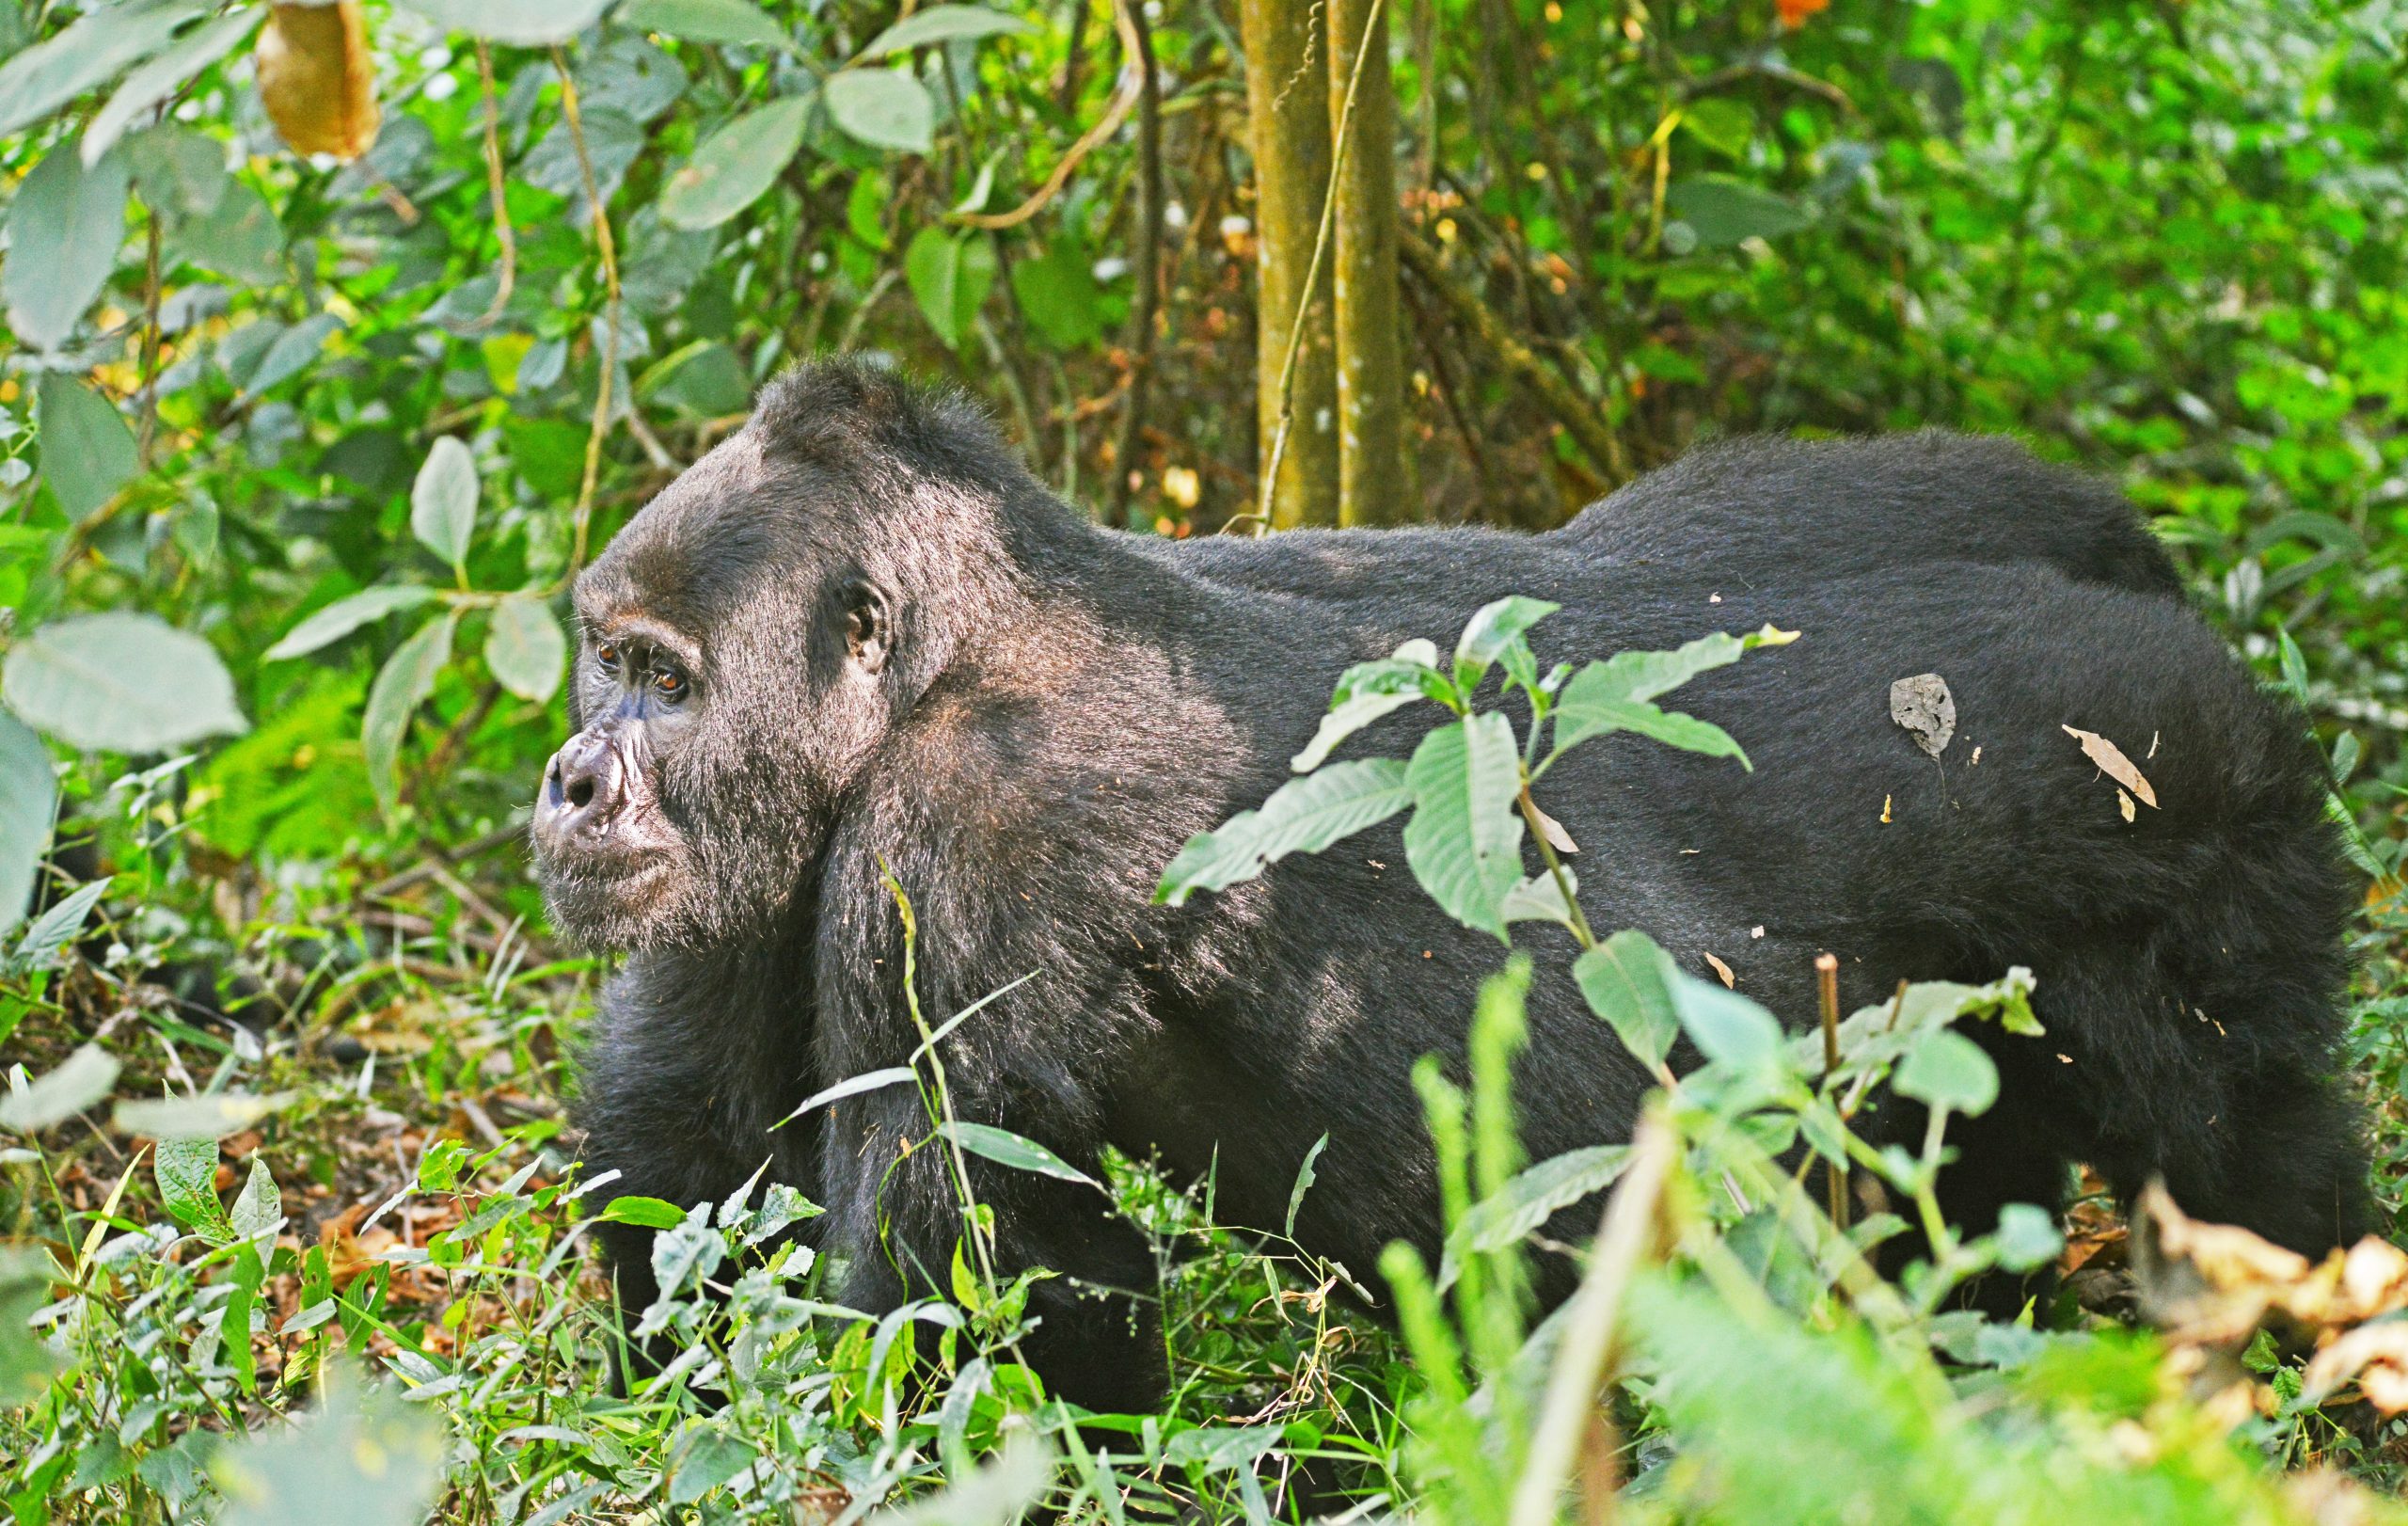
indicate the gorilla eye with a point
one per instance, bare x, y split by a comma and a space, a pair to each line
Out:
608, 655
669, 684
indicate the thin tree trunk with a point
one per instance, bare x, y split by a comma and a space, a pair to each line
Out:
1148, 270
1376, 477
1288, 100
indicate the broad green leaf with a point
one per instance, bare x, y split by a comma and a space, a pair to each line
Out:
121, 683
1628, 980
735, 164
186, 1172
525, 647
518, 23
1539, 898
81, 1079
292, 349
1464, 840
64, 228
1006, 1148
1720, 123
1727, 1027
645, 1213
1605, 696
1058, 294
28, 796
709, 1457
707, 20
26, 1365
345, 615
241, 236
1492, 628
1303, 816
941, 23
1305, 1176
1528, 1201
209, 1116
882, 108
1368, 690
443, 500
47, 76
155, 81
2027, 1236
1724, 210
1675, 728
1945, 1068
402, 685
88, 452
950, 279
178, 172
364, 1457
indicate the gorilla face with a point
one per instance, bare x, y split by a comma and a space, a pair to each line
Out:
730, 677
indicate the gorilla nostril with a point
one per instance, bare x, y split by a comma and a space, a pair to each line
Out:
580, 793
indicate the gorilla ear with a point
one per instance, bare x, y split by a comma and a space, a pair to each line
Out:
869, 623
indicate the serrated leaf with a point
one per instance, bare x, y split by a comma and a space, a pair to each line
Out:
519, 23
28, 798
98, 47
1492, 628
443, 500
155, 81
707, 20
950, 279
88, 452
1628, 980
882, 108
81, 1079
345, 615
1018, 1151
1528, 1199
402, 685
735, 164
941, 23
121, 683
1303, 816
526, 648
1464, 840
64, 230
186, 1172
211, 1116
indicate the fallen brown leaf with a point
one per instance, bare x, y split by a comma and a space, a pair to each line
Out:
1723, 970
2112, 763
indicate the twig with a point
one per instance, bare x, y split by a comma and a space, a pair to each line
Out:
1123, 102
1570, 1409
1149, 263
1312, 270
1827, 981
1579, 418
151, 340
508, 279
609, 254
427, 869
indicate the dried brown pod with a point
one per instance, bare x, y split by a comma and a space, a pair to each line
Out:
317, 78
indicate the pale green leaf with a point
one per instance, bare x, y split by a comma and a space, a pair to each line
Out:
518, 23
526, 648
121, 683
83, 1078
1464, 840
950, 279
707, 20
52, 73
64, 228
345, 615
1006, 1148
941, 23
1628, 980
1528, 1199
443, 500
882, 108
1303, 816
1491, 630
28, 796
211, 1116
402, 685
735, 164
155, 81
87, 451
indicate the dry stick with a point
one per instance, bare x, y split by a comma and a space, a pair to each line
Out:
1150, 244
610, 253
151, 340
1123, 102
1827, 979
1574, 412
1312, 271
509, 276
1570, 1406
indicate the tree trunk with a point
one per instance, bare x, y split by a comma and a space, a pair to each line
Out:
1289, 123
1375, 477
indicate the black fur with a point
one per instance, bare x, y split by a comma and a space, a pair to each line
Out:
1041, 712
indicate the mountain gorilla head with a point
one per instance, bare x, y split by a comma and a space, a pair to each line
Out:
749, 638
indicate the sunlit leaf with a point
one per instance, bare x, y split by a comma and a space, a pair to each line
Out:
735, 164
121, 683
345, 615
519, 23
526, 648
83, 1078
443, 500
1006, 1148
707, 20
1528, 1199
54, 71
155, 81
941, 23
882, 108
64, 228
28, 795
1303, 816
209, 1116
1464, 840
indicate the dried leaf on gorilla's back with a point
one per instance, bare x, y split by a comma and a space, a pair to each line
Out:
1730, 980
2112, 763
1926, 709
317, 79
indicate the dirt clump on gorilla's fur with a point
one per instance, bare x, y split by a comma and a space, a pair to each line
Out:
859, 635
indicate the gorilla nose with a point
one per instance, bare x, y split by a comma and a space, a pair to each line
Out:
583, 789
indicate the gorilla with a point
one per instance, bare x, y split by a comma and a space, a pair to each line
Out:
859, 640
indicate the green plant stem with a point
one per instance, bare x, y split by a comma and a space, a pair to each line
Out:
1581, 930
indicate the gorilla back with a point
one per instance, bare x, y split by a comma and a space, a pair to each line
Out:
859, 639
